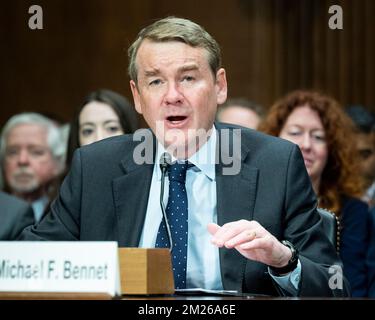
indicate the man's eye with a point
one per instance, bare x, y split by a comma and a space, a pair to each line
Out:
188, 78
11, 152
37, 152
155, 82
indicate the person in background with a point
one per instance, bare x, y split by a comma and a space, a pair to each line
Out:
103, 113
242, 112
31, 156
371, 256
15, 215
324, 133
364, 121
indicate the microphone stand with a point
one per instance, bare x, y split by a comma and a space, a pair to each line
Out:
149, 270
165, 161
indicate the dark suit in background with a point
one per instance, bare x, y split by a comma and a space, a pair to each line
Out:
105, 197
370, 259
15, 215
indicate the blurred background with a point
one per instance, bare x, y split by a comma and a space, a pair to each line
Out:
269, 47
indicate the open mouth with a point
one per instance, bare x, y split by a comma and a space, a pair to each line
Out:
176, 119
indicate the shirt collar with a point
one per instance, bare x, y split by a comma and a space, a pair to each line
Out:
203, 159
39, 206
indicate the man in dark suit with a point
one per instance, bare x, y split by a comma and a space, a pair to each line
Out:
15, 215
247, 217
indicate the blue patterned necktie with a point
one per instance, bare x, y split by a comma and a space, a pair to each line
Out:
177, 213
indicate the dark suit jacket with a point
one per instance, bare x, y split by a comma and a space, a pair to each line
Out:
355, 244
15, 215
105, 197
370, 259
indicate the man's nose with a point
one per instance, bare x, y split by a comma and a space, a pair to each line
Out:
173, 94
23, 157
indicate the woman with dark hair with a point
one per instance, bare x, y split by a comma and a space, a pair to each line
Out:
103, 114
324, 133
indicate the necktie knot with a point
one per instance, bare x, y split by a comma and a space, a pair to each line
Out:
177, 171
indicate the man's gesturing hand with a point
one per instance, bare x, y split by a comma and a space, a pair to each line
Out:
252, 241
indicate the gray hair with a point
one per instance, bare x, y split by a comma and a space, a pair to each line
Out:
176, 29
244, 103
55, 142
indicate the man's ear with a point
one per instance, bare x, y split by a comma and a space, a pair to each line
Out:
221, 86
136, 97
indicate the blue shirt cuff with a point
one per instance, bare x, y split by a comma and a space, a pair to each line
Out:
290, 281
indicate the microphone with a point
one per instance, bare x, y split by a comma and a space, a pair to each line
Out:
165, 162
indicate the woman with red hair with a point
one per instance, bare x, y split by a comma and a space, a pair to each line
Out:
318, 125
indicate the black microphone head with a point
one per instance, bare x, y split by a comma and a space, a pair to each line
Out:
165, 161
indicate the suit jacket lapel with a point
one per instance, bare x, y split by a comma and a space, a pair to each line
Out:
235, 201
131, 193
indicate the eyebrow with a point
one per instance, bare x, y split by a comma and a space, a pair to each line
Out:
155, 72
189, 67
110, 121
28, 145
152, 73
302, 127
94, 124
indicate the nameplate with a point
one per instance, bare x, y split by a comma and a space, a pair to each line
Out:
59, 267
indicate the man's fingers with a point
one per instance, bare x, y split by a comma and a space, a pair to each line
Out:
243, 237
212, 228
259, 243
234, 233
225, 233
